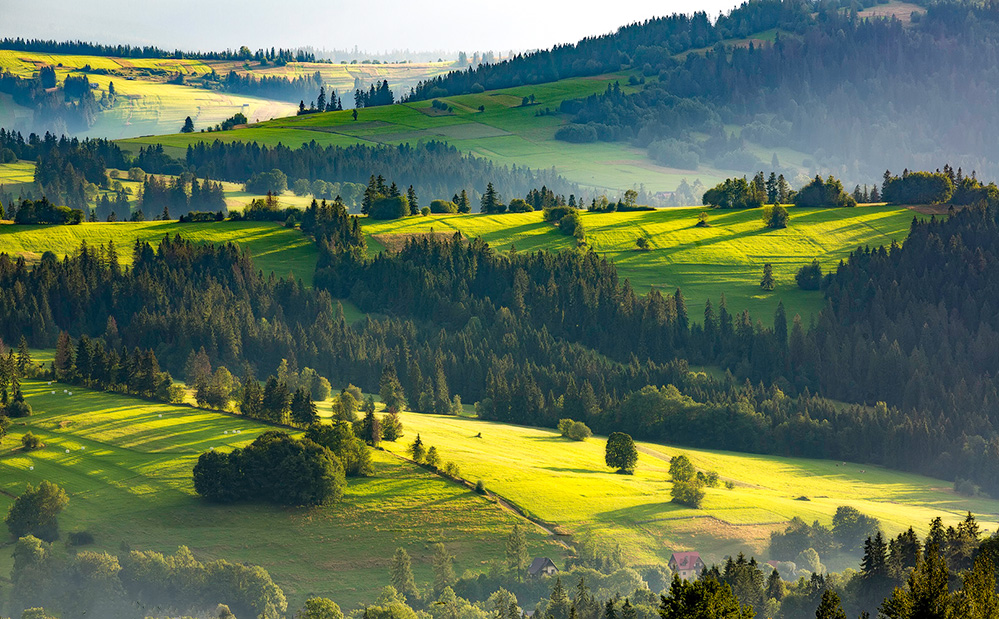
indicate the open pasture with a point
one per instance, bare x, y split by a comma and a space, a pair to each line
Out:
504, 131
126, 464
567, 484
725, 258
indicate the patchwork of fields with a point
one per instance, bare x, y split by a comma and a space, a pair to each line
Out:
566, 482
126, 464
147, 105
504, 131
725, 258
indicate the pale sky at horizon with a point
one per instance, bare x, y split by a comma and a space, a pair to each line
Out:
373, 25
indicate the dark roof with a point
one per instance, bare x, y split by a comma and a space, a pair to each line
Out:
539, 564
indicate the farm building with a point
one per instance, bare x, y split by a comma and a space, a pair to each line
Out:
687, 564
541, 566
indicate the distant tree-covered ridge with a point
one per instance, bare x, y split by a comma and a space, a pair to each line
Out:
86, 48
651, 42
822, 89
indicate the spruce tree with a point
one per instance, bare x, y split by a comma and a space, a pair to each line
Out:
417, 451
516, 552
829, 607
558, 601
414, 204
443, 569
768, 282
402, 575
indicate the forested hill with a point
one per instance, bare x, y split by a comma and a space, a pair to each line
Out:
650, 42
852, 92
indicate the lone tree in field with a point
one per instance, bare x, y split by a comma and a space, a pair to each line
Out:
642, 243
776, 216
35, 512
621, 453
188, 126
417, 450
768, 282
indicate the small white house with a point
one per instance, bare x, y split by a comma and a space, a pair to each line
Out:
687, 565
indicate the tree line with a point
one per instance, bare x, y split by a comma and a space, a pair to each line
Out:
86, 48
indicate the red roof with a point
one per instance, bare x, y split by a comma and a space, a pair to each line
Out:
687, 560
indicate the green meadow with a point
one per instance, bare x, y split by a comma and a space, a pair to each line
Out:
726, 257
147, 105
275, 249
566, 483
126, 464
505, 131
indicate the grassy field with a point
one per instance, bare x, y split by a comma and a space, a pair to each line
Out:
17, 175
505, 132
274, 248
147, 105
726, 257
126, 464
566, 482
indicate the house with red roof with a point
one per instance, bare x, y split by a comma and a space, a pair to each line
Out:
687, 565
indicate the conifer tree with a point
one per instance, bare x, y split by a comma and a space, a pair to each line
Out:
417, 451
829, 607
443, 569
516, 552
768, 282
402, 575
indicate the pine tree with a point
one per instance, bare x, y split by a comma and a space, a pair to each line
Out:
402, 575
64, 357
274, 403
516, 552
775, 586
490, 201
23, 357
414, 205
558, 601
251, 400
443, 569
303, 409
768, 283
371, 429
829, 607
417, 451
